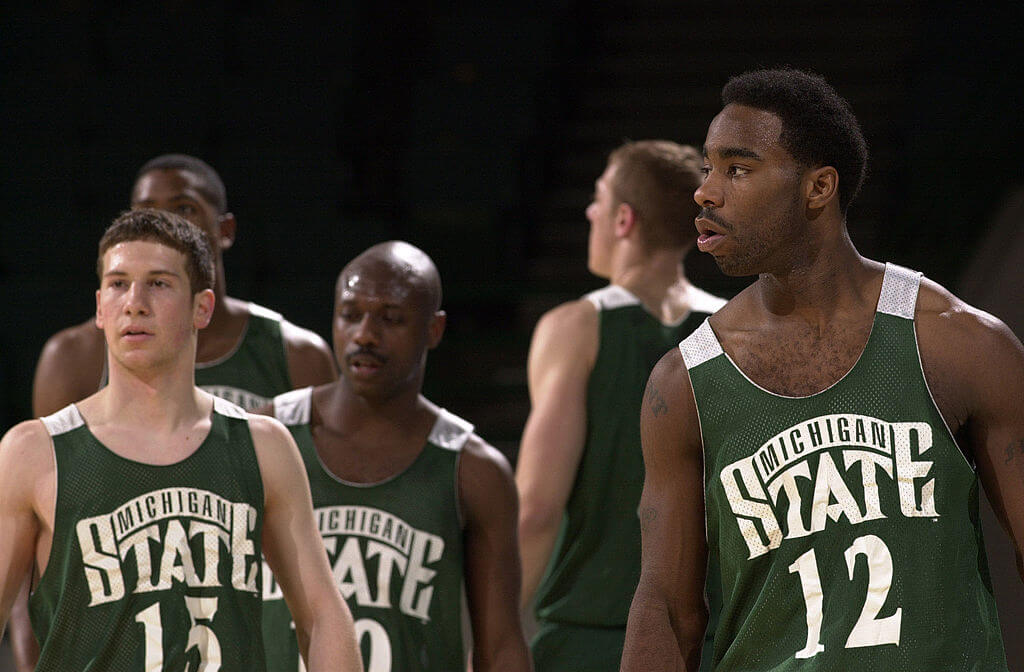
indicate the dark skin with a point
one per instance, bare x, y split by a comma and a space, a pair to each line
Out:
70, 366
373, 423
797, 330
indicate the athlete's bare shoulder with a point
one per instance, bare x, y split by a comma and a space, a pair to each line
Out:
482, 455
310, 360
26, 459
966, 353
566, 334
70, 367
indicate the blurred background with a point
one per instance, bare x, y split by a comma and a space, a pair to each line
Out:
475, 130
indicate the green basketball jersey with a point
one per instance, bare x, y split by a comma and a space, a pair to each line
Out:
153, 568
595, 565
256, 370
395, 548
843, 525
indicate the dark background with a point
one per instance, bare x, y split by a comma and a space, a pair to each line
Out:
474, 130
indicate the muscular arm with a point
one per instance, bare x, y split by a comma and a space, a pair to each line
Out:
69, 369
488, 498
975, 368
668, 615
561, 358
26, 486
310, 361
295, 552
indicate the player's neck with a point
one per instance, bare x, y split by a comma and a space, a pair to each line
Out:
834, 279
161, 400
658, 279
353, 409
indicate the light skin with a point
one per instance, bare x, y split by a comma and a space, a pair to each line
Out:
70, 366
797, 330
373, 423
151, 412
562, 355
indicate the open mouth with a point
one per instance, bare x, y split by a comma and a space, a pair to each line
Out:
708, 237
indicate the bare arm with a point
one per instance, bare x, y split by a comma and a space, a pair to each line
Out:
975, 368
69, 369
295, 552
310, 361
562, 357
488, 498
26, 487
668, 615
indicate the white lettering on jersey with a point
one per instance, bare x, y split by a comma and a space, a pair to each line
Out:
153, 533
801, 461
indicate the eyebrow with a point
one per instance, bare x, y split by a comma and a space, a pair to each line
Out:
732, 152
159, 271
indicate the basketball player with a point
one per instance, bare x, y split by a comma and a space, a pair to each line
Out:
819, 441
246, 355
410, 502
580, 469
143, 509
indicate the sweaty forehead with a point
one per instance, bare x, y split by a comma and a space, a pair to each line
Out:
742, 128
379, 281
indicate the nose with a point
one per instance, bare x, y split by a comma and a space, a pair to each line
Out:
136, 299
708, 194
366, 331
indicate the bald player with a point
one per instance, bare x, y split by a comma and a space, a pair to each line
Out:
246, 355
410, 502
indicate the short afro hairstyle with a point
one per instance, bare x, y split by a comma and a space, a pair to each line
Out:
210, 184
818, 125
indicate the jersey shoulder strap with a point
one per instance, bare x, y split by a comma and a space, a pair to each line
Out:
294, 407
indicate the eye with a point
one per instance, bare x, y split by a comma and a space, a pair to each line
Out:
159, 283
186, 209
705, 170
118, 284
736, 171
348, 315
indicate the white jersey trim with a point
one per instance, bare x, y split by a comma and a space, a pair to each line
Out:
225, 407
294, 407
700, 346
63, 421
450, 431
611, 297
899, 291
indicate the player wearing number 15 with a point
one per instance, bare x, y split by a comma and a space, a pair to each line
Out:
837, 416
140, 513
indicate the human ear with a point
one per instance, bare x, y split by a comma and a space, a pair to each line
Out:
625, 220
436, 329
202, 308
822, 187
227, 227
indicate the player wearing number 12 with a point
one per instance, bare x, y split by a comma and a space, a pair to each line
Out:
410, 502
140, 513
837, 416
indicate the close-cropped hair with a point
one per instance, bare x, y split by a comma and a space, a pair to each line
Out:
818, 125
165, 228
210, 185
657, 178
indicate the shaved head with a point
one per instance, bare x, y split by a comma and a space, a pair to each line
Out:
396, 268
